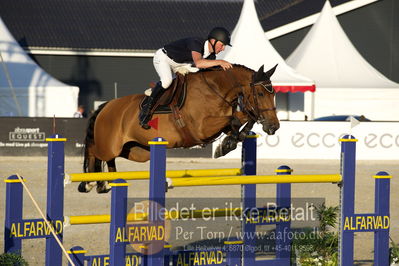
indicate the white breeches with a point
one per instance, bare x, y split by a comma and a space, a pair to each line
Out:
166, 68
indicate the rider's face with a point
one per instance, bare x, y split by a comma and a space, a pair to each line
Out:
219, 47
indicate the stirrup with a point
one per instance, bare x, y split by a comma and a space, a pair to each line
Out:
144, 121
145, 117
145, 125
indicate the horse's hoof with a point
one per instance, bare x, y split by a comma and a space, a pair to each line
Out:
217, 153
103, 190
103, 187
230, 147
228, 144
82, 187
168, 184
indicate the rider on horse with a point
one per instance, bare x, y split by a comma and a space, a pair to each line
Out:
183, 53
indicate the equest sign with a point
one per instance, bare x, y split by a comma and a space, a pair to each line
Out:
27, 136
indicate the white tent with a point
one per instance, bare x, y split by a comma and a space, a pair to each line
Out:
26, 89
250, 47
346, 83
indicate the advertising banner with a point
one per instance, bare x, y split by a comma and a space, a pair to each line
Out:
25, 136
320, 140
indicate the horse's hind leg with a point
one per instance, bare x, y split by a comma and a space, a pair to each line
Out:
93, 165
103, 186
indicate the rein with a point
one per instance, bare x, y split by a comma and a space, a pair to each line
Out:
214, 90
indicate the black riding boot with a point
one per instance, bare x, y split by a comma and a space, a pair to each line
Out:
145, 114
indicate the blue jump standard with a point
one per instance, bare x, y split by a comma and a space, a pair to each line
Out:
236, 252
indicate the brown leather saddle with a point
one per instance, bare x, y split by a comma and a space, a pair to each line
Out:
171, 102
173, 97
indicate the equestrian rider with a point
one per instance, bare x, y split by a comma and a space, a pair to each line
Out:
185, 52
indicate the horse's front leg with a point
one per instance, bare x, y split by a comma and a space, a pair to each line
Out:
229, 143
235, 136
245, 131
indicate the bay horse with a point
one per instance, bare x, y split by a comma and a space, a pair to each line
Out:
210, 108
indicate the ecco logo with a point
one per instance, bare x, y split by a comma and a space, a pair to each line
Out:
315, 140
385, 140
330, 140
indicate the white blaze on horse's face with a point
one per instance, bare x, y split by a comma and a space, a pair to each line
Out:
264, 96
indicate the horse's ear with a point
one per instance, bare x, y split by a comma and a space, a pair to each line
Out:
270, 72
261, 69
259, 74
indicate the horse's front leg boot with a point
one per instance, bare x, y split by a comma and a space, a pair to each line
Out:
229, 144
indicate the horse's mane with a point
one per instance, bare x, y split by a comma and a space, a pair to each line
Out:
244, 67
219, 68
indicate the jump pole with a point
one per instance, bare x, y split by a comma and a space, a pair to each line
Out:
15, 225
348, 164
55, 204
248, 197
377, 222
157, 189
55, 195
347, 201
14, 211
348, 150
283, 195
145, 175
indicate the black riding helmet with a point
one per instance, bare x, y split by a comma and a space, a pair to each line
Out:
220, 34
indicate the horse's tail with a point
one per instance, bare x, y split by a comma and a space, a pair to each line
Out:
89, 140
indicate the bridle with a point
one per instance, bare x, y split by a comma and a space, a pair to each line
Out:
252, 110
257, 113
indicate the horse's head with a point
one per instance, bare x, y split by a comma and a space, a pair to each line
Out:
259, 101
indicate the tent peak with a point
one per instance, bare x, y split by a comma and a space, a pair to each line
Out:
252, 49
327, 55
